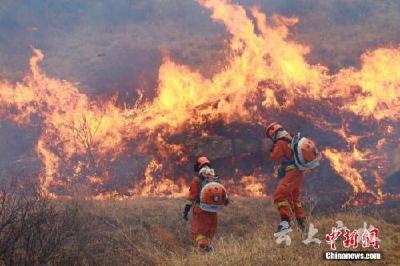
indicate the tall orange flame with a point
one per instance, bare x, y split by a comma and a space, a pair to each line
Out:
266, 72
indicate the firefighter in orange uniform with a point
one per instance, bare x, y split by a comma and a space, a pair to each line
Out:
287, 193
203, 223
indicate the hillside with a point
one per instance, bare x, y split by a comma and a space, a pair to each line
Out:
106, 105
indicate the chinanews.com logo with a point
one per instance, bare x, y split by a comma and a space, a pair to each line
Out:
364, 237
352, 255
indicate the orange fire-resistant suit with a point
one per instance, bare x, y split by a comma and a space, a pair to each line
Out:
203, 224
287, 193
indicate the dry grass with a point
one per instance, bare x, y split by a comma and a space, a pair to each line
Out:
152, 232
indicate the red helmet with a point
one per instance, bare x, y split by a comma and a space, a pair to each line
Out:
201, 161
272, 129
213, 197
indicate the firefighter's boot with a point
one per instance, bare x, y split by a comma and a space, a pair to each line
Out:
283, 229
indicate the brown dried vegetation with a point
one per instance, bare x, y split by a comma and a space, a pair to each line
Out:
150, 231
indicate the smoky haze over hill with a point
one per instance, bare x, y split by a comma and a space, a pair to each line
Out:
110, 45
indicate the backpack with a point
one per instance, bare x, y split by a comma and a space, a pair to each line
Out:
305, 152
206, 175
213, 197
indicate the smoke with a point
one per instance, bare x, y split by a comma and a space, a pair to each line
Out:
118, 44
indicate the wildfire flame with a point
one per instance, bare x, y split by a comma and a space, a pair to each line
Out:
266, 73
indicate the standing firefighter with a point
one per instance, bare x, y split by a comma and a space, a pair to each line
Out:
295, 155
207, 196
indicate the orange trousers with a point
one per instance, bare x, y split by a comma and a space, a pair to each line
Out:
287, 195
203, 226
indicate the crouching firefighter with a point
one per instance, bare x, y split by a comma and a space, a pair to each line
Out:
207, 196
296, 154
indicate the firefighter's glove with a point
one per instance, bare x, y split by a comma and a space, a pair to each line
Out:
281, 172
186, 211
